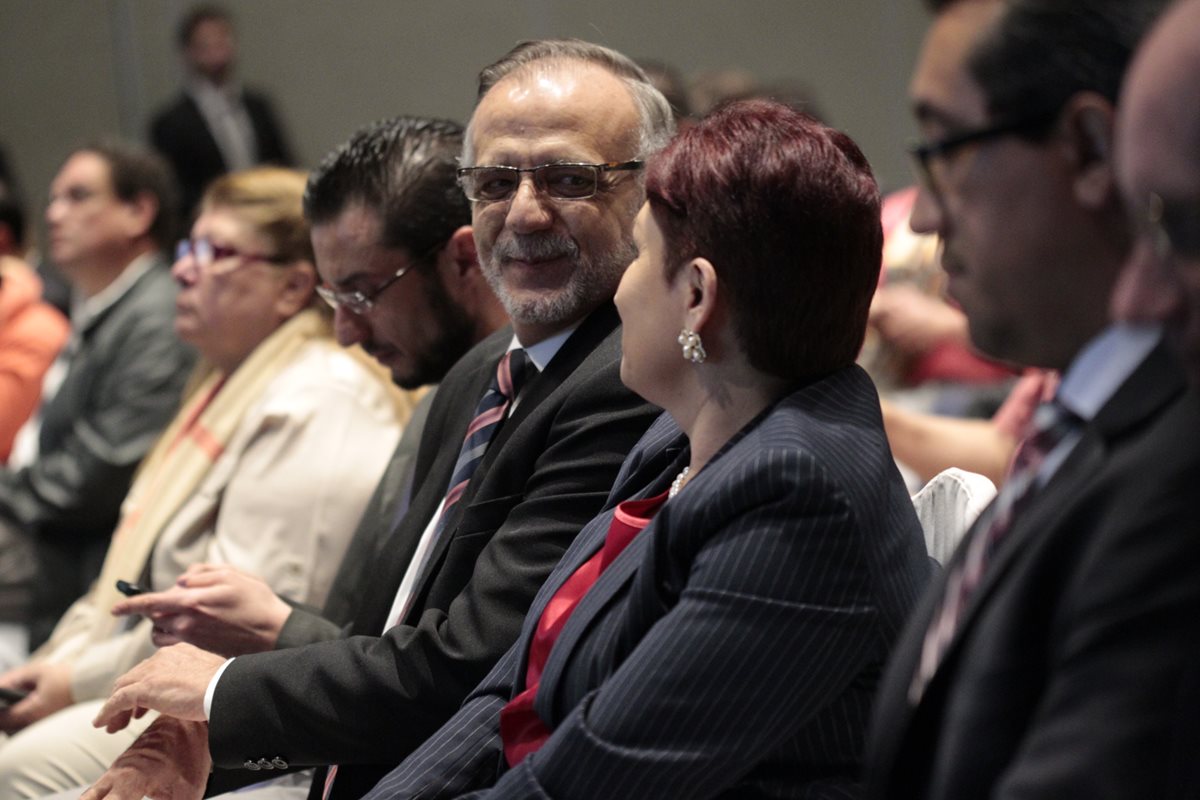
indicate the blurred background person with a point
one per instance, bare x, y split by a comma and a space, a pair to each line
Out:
215, 125
32, 332
114, 387
718, 631
267, 467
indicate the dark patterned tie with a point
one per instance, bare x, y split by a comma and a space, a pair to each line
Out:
491, 411
1051, 424
489, 414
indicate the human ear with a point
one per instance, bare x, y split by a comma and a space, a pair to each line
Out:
1087, 126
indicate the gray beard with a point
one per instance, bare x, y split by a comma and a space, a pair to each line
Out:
592, 281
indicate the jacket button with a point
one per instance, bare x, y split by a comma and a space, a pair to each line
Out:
279, 763
251, 765
264, 764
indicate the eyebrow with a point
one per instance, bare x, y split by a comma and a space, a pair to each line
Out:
927, 112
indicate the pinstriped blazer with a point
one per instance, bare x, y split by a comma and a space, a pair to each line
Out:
733, 648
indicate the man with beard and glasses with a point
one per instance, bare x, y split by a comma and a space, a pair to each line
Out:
554, 148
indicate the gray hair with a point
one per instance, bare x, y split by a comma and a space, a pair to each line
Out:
656, 122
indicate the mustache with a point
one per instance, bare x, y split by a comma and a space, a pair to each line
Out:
535, 247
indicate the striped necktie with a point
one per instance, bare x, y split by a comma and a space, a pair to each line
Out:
1052, 423
489, 414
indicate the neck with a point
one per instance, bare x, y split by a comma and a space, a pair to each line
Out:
94, 277
727, 403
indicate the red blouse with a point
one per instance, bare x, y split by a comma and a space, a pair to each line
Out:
521, 729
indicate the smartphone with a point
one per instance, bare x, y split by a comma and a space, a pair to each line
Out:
10, 696
129, 589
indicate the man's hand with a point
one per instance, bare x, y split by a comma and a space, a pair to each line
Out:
49, 688
215, 607
169, 761
172, 681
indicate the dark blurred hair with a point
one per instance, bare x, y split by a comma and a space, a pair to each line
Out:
12, 215
205, 12
787, 211
668, 80
403, 169
1041, 52
135, 171
654, 113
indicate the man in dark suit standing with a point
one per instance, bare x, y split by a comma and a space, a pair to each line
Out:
489, 519
215, 125
1046, 660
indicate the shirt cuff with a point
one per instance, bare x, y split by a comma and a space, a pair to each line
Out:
212, 689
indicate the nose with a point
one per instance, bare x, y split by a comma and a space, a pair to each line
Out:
528, 210
54, 210
350, 328
1147, 290
927, 214
184, 270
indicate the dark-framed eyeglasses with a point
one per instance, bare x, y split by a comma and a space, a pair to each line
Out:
1173, 226
560, 181
206, 253
929, 156
360, 301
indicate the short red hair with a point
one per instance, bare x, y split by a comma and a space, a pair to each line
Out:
787, 211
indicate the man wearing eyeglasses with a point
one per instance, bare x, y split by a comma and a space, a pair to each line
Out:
552, 170
1158, 168
115, 385
1046, 661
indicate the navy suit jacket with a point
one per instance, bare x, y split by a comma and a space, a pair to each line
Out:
733, 648
1073, 651
364, 702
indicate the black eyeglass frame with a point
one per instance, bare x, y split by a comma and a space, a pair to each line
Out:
360, 301
922, 152
539, 172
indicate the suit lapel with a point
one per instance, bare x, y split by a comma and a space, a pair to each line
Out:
606, 588
1154, 384
448, 421
578, 347
1151, 386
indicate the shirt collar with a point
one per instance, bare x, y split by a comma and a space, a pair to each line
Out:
85, 310
1103, 365
543, 352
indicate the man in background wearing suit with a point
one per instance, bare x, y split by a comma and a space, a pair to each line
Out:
215, 125
1046, 660
115, 385
464, 564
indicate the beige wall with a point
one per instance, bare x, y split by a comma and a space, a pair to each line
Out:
75, 69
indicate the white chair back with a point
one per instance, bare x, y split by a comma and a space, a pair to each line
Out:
947, 506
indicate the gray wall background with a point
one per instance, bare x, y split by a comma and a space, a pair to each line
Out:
71, 70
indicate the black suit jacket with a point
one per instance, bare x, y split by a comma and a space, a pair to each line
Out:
732, 649
180, 133
364, 702
1062, 678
